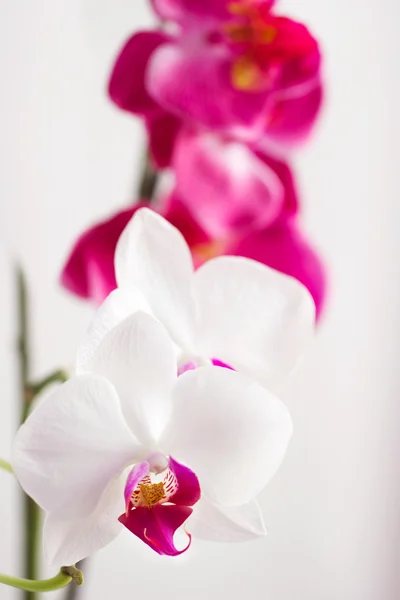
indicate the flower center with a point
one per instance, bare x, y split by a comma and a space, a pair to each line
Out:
157, 505
149, 493
265, 43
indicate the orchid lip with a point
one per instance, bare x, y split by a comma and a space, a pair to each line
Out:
156, 509
159, 548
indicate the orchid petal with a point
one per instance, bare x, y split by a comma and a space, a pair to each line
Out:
120, 304
293, 117
156, 526
188, 492
178, 214
230, 430
152, 255
186, 79
202, 12
283, 247
215, 523
135, 476
163, 129
89, 269
287, 179
139, 359
127, 83
228, 187
72, 445
269, 323
67, 541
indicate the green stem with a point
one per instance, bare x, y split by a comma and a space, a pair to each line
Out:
148, 181
31, 512
64, 578
32, 524
6, 466
73, 591
23, 341
59, 376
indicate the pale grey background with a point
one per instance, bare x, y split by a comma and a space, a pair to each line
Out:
67, 157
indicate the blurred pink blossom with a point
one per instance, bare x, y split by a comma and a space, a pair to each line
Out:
228, 187
232, 67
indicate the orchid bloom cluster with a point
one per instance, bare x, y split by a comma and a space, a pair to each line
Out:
170, 423
226, 90
171, 419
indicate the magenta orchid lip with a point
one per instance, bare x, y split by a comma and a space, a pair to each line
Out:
155, 510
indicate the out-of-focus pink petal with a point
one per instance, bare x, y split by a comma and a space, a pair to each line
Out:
182, 11
293, 116
188, 492
89, 270
163, 129
127, 82
284, 172
179, 215
137, 473
284, 248
226, 186
156, 526
193, 80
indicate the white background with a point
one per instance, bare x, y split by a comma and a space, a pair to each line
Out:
68, 157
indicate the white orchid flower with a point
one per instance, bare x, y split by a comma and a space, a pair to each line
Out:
130, 443
231, 311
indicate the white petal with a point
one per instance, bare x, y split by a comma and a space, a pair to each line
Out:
115, 308
139, 359
229, 430
215, 523
252, 317
67, 541
153, 255
72, 445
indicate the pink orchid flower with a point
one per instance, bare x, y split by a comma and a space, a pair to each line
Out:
229, 188
230, 66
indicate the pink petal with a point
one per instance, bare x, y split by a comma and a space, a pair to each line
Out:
188, 492
205, 11
298, 99
127, 82
285, 174
89, 270
293, 117
178, 214
284, 248
163, 129
156, 526
227, 187
193, 80
219, 363
137, 473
